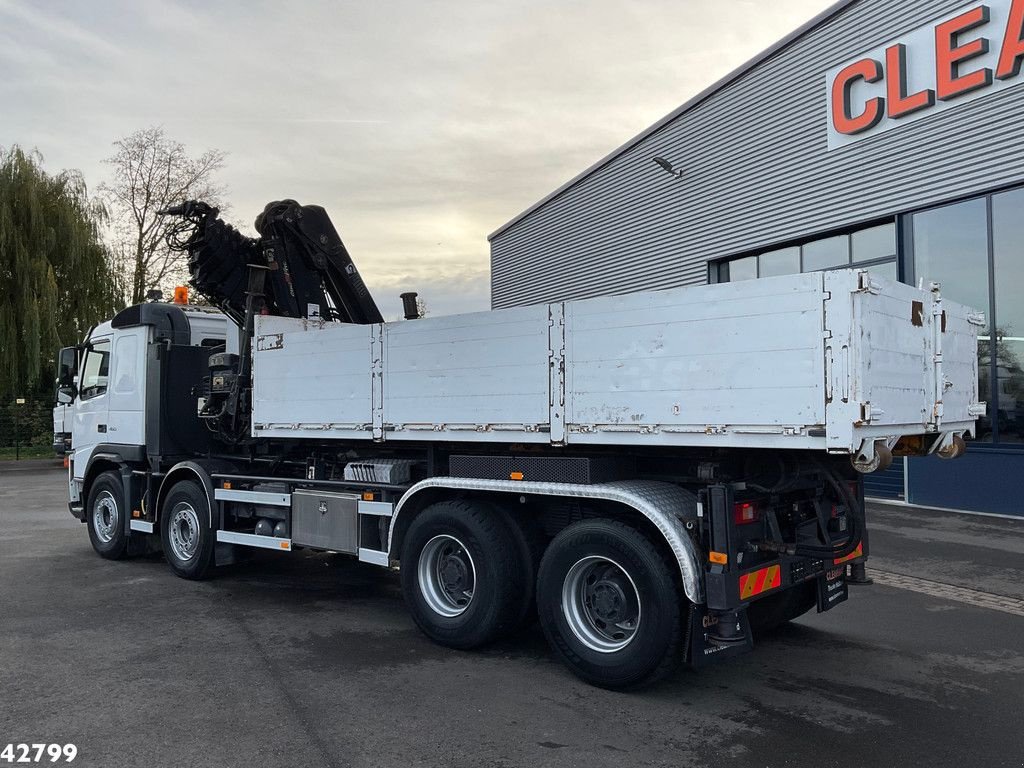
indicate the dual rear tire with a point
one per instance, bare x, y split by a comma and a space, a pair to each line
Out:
608, 600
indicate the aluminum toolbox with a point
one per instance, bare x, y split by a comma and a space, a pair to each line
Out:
326, 519
819, 360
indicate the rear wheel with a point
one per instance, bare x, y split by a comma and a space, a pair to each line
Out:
105, 516
610, 605
186, 534
462, 573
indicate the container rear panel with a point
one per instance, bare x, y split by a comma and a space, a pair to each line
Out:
897, 366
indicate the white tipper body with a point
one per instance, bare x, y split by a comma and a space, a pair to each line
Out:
823, 361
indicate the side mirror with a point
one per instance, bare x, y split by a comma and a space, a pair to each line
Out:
67, 370
67, 367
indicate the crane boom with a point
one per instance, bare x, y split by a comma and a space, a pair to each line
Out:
297, 267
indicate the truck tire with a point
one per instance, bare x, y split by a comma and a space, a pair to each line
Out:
610, 604
772, 612
463, 575
185, 532
105, 516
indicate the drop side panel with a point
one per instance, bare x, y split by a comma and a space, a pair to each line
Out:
312, 380
468, 377
742, 359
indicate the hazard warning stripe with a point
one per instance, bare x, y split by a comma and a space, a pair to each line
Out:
852, 556
761, 580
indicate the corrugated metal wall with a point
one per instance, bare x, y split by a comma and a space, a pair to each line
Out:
757, 173
887, 484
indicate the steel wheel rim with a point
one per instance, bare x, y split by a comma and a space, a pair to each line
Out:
447, 576
183, 531
105, 516
601, 604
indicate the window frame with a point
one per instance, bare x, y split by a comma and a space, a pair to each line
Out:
718, 268
98, 391
908, 257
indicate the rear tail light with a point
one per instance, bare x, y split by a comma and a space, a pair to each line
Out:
744, 512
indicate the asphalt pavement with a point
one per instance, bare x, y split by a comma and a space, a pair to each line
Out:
312, 660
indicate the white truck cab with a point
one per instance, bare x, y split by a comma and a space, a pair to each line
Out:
107, 400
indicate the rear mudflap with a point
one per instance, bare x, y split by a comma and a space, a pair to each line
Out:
700, 650
832, 588
703, 622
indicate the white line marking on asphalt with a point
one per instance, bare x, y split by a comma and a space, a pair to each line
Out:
949, 592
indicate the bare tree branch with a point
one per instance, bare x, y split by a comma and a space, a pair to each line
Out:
151, 171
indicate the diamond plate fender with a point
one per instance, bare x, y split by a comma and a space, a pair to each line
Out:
665, 505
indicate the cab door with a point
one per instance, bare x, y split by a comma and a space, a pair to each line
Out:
92, 406
126, 389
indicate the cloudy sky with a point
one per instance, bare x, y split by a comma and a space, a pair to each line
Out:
421, 125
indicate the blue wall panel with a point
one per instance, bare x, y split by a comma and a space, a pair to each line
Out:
983, 480
887, 484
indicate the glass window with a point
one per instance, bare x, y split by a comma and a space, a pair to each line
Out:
743, 269
829, 252
96, 370
886, 270
951, 248
785, 261
1008, 262
125, 365
874, 243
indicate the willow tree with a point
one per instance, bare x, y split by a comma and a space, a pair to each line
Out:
55, 272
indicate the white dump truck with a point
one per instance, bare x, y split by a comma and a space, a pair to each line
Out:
655, 476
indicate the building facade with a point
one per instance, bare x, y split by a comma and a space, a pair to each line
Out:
882, 134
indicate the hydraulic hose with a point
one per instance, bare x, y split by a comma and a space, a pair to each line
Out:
854, 535
857, 521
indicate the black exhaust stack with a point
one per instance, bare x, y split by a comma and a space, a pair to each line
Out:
409, 305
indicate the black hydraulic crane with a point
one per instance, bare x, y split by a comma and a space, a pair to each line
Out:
297, 267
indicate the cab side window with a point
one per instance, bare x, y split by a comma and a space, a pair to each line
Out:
96, 370
125, 364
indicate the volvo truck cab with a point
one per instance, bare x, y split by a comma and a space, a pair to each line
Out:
114, 382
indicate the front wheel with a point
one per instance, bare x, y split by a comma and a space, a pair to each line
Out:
609, 604
185, 530
105, 516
